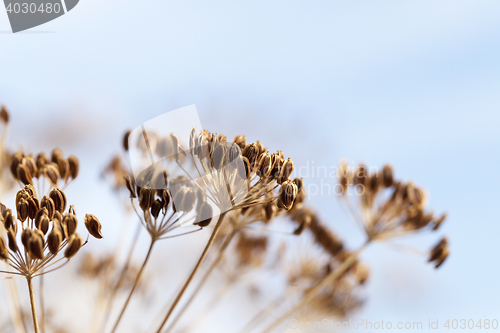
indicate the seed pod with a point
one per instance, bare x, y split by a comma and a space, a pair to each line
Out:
31, 165
264, 165
145, 198
439, 221
192, 140
17, 158
48, 204
59, 199
54, 240
33, 207
9, 221
4, 115
24, 175
25, 237
42, 212
251, 152
277, 162
12, 240
175, 145
241, 141
56, 155
63, 167
234, 152
22, 210
286, 171
51, 173
74, 245
374, 183
74, 166
165, 198
41, 160
93, 226
130, 186
69, 224
35, 245
4, 252
156, 207
218, 156
287, 195
125, 140
205, 215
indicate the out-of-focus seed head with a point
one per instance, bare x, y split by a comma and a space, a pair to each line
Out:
74, 245
54, 240
63, 167
188, 201
440, 253
56, 155
93, 225
306, 221
74, 166
234, 152
205, 213
59, 199
360, 175
219, 156
270, 211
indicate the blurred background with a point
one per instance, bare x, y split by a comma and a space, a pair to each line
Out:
412, 83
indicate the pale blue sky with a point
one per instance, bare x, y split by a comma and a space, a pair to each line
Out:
413, 83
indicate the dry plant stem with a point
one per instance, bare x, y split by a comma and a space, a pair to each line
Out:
112, 297
33, 305
312, 293
195, 270
42, 305
135, 285
216, 262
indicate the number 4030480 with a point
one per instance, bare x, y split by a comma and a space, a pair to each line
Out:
471, 324
33, 8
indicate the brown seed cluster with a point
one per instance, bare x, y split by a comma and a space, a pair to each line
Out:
42, 228
386, 207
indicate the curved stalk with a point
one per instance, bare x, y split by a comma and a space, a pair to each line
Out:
313, 292
216, 262
33, 305
195, 270
135, 285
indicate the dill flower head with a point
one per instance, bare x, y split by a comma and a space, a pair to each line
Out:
42, 232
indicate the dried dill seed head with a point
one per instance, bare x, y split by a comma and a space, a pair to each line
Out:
439, 253
385, 207
47, 229
4, 115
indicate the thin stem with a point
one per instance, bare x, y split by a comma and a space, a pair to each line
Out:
135, 285
204, 279
313, 292
33, 305
195, 270
42, 304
